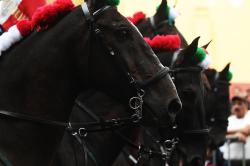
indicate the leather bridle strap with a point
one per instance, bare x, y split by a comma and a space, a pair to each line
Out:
85, 127
153, 25
87, 14
32, 119
186, 69
222, 82
197, 132
141, 149
158, 76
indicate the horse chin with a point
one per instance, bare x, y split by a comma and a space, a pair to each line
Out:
185, 158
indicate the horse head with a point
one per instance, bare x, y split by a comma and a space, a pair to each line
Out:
87, 48
217, 105
129, 59
161, 23
191, 127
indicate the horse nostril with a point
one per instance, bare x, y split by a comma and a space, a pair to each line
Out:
174, 106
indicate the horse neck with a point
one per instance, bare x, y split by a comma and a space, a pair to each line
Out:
39, 73
40, 79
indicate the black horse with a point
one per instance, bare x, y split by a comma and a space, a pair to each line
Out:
191, 130
218, 106
159, 24
42, 75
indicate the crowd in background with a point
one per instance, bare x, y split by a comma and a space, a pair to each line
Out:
237, 146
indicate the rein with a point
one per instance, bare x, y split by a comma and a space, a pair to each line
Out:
82, 128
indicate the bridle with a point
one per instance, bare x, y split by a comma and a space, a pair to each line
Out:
173, 72
154, 26
135, 103
164, 153
215, 87
193, 132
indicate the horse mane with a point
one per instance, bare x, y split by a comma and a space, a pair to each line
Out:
42, 18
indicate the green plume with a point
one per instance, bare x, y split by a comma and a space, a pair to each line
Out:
229, 75
113, 2
199, 56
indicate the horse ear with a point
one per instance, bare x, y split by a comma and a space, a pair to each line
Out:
224, 74
226, 68
161, 13
186, 56
206, 45
191, 49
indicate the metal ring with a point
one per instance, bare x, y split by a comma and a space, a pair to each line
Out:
141, 93
82, 132
135, 103
168, 143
